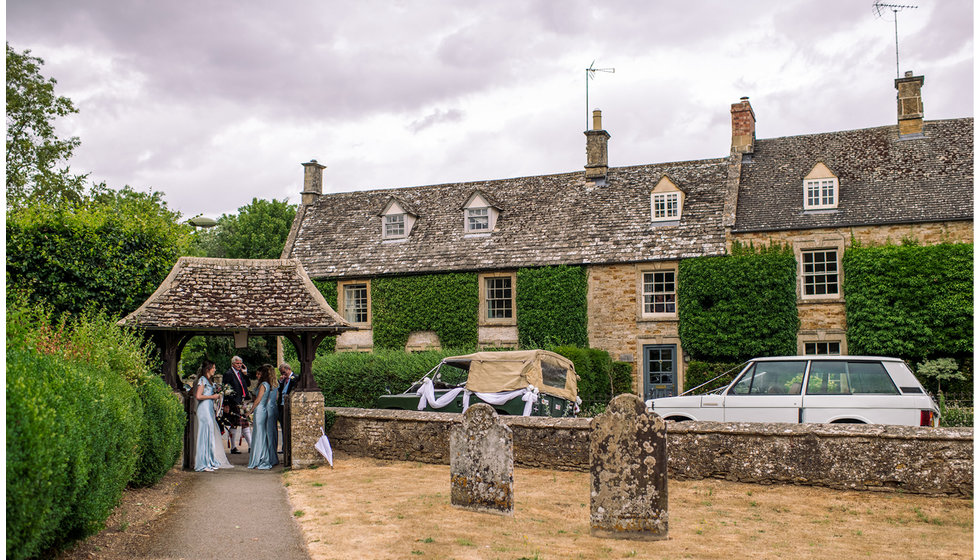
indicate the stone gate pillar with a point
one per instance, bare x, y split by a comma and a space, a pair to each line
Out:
628, 467
305, 422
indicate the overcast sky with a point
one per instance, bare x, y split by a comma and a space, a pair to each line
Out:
217, 102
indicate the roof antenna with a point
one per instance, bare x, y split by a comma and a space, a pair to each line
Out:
879, 9
590, 75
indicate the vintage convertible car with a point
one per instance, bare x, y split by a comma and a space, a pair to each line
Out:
517, 382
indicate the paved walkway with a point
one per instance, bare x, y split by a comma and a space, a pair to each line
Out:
231, 513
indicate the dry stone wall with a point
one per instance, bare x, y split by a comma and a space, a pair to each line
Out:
845, 456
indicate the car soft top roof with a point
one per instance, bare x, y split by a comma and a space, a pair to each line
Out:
494, 372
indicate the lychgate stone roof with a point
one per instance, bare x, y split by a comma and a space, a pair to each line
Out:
227, 294
883, 179
544, 220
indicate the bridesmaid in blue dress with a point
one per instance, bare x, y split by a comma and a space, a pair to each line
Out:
204, 459
262, 454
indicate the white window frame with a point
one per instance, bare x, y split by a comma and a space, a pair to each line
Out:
820, 193
815, 273
648, 299
395, 222
480, 215
346, 306
665, 206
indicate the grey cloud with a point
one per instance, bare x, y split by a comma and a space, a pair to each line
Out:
436, 117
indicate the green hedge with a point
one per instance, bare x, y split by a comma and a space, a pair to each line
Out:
600, 378
697, 372
552, 306
448, 304
738, 306
85, 417
909, 301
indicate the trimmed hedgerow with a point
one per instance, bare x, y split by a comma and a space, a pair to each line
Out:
738, 306
600, 378
552, 306
909, 301
445, 303
698, 372
162, 432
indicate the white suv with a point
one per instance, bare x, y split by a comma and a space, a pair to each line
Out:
812, 389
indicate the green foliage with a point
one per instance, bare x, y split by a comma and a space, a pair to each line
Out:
738, 306
698, 372
258, 231
552, 306
220, 349
952, 416
940, 369
356, 379
445, 303
81, 399
33, 149
112, 251
600, 379
910, 301
329, 290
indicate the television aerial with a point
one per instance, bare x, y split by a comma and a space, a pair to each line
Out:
590, 75
880, 9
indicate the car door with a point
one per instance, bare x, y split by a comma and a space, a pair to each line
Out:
767, 391
852, 390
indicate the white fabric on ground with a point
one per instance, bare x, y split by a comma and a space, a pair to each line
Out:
323, 446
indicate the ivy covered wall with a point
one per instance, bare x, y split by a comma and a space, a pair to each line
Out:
552, 306
909, 301
448, 304
738, 306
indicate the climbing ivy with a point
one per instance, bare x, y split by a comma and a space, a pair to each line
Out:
448, 304
909, 301
552, 306
738, 306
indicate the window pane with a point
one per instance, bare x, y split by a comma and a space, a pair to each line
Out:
659, 292
499, 298
828, 378
820, 273
477, 219
771, 378
395, 225
870, 377
821, 348
355, 303
553, 375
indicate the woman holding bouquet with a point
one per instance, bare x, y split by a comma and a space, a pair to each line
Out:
262, 453
204, 456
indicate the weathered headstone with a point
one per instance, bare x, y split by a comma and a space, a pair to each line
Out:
628, 466
481, 462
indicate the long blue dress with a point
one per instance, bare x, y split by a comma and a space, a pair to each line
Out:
204, 453
273, 431
262, 452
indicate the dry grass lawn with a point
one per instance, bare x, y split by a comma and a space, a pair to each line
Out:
366, 508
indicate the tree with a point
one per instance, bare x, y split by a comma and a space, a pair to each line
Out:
258, 231
111, 251
33, 149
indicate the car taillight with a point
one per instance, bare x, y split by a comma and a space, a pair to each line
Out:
925, 418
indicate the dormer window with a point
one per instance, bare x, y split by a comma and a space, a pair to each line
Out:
396, 220
479, 214
820, 189
666, 201
477, 219
394, 226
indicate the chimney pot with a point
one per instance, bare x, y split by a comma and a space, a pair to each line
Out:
596, 149
312, 181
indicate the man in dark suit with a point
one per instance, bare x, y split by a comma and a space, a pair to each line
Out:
237, 377
286, 382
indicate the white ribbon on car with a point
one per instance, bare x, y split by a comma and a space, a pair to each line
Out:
427, 394
578, 403
528, 394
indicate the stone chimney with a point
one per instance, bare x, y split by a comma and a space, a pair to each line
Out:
312, 181
909, 104
596, 149
743, 127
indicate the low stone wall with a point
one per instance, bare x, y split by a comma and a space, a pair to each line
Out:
843, 456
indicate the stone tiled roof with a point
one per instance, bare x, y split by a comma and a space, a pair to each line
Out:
231, 294
883, 179
544, 220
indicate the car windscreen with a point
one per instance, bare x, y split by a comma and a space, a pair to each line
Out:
849, 378
771, 378
452, 375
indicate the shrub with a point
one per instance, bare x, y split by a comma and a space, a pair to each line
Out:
738, 306
162, 432
599, 377
698, 372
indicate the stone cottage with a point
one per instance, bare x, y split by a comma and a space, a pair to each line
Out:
629, 227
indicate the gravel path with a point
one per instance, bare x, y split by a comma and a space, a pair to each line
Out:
231, 513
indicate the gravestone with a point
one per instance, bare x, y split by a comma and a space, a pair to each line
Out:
481, 462
628, 467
